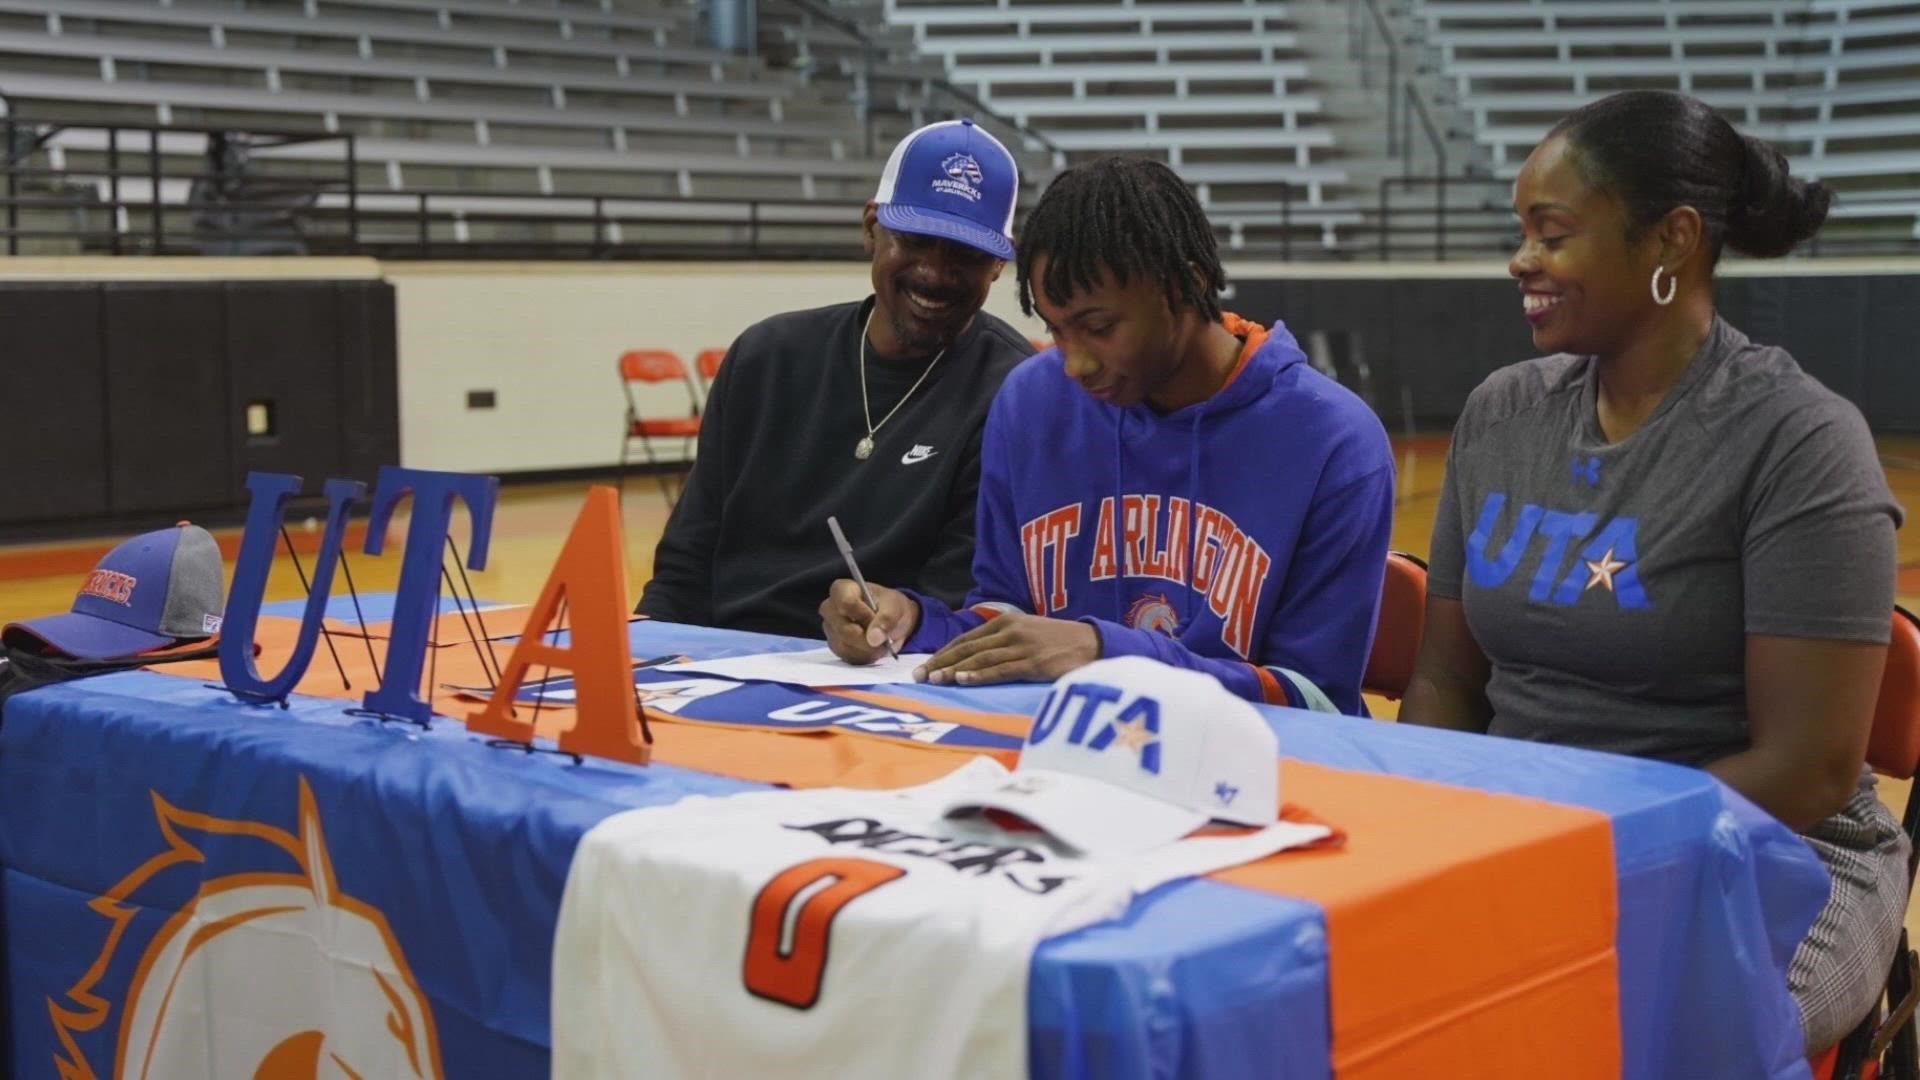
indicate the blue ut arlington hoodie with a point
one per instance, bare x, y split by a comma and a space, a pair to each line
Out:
1245, 536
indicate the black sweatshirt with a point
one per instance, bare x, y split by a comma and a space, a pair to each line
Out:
748, 547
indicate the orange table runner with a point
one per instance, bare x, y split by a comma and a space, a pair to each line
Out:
1469, 933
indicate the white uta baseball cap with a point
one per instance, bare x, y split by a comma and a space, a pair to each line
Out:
1130, 754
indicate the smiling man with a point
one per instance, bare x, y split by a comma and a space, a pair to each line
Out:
1170, 480
871, 411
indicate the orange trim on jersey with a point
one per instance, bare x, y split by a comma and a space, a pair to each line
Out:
1270, 687
1466, 930
987, 612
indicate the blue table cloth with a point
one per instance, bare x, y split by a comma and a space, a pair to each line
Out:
464, 850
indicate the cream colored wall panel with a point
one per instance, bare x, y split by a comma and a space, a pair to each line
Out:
545, 338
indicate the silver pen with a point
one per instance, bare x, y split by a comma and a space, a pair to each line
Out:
846, 552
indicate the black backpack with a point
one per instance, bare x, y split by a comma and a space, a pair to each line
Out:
22, 670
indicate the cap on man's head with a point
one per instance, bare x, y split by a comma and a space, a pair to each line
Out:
150, 593
1128, 754
954, 181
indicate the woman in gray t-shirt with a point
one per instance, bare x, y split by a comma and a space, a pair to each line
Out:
1666, 540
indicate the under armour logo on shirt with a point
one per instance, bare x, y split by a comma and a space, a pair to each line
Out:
1587, 472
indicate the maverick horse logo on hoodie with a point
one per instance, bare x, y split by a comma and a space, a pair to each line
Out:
1229, 567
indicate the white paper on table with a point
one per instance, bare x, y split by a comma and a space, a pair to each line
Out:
814, 667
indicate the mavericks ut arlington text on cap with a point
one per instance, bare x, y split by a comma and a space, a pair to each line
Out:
954, 181
151, 592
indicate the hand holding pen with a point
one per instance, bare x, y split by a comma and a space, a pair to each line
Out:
860, 621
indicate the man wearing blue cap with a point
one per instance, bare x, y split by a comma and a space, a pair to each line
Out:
870, 411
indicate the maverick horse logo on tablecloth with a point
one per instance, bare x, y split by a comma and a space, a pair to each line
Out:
260, 975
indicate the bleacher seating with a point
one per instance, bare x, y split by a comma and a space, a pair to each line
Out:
486, 99
371, 34
1152, 108
739, 135
1185, 78
1213, 88
482, 14
1831, 82
1163, 47
579, 110
1028, 20
281, 69
877, 70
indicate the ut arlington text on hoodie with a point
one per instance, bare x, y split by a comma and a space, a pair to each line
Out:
1244, 536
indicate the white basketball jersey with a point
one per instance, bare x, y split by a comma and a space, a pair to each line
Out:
832, 933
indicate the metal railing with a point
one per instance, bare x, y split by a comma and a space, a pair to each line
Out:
129, 170
1429, 217
1403, 224
1418, 214
742, 227
1488, 227
237, 201
1439, 176
1366, 26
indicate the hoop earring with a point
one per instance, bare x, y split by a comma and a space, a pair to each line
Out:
1673, 286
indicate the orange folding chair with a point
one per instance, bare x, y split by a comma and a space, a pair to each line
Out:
1403, 614
655, 366
708, 363
1883, 1045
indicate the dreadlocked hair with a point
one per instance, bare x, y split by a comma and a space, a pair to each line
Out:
1132, 217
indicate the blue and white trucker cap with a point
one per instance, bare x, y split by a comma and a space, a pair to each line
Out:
954, 181
152, 592
1129, 754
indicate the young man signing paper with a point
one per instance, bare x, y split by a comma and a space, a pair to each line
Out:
1170, 480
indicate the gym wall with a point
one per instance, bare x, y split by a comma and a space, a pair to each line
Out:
132, 388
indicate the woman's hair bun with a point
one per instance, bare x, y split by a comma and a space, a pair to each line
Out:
1778, 209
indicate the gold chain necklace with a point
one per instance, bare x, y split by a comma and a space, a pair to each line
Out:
864, 448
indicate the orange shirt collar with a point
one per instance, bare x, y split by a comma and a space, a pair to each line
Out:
1255, 335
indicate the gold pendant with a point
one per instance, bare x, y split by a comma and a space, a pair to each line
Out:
864, 448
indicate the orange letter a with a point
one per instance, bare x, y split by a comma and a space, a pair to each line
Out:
591, 574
